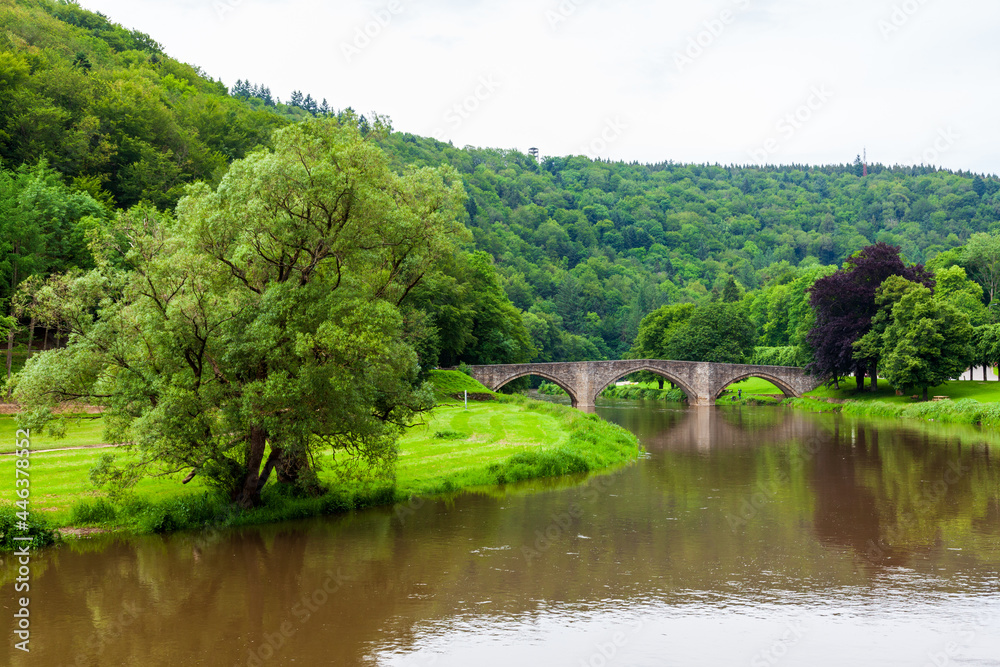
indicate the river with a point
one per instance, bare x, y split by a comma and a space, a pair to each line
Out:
744, 536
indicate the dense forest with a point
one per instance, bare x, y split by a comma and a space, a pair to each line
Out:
565, 255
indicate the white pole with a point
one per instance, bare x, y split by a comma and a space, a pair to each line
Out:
466, 392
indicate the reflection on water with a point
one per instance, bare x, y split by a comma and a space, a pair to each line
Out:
746, 536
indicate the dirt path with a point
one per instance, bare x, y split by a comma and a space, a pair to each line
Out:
14, 408
63, 449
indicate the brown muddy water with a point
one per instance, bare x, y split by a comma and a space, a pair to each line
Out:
746, 536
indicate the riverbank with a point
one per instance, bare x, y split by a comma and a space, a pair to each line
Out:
962, 402
494, 442
965, 401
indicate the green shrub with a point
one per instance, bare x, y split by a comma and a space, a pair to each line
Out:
963, 411
97, 510
37, 529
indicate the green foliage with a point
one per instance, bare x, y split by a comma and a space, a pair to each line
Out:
104, 106
981, 258
601, 244
657, 330
639, 392
963, 411
870, 349
545, 463
470, 318
38, 530
584, 249
94, 511
952, 285
927, 342
986, 340
266, 315
717, 332
786, 355
780, 310
43, 225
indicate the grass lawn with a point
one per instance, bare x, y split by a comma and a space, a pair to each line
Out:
61, 479
87, 431
458, 443
752, 386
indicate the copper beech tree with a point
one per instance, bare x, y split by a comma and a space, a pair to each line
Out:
260, 323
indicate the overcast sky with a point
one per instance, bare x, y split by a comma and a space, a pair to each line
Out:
733, 81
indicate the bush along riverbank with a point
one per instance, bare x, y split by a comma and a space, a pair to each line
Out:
963, 402
962, 411
635, 391
490, 444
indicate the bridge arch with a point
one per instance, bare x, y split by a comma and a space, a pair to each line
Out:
561, 383
642, 366
785, 388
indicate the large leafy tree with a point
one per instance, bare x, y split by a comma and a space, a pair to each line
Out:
986, 340
869, 349
656, 328
981, 258
719, 332
929, 341
265, 317
655, 333
844, 304
470, 319
43, 223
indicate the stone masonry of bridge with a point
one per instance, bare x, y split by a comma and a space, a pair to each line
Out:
701, 381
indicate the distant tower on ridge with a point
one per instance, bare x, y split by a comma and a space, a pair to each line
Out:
864, 169
533, 152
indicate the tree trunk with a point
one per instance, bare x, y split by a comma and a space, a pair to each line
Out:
293, 468
248, 495
10, 358
925, 393
874, 375
984, 371
836, 383
859, 378
661, 383
31, 335
272, 460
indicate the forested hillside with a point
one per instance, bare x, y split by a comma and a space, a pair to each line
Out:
95, 118
109, 110
593, 246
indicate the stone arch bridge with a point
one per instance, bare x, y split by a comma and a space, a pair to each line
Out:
700, 380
